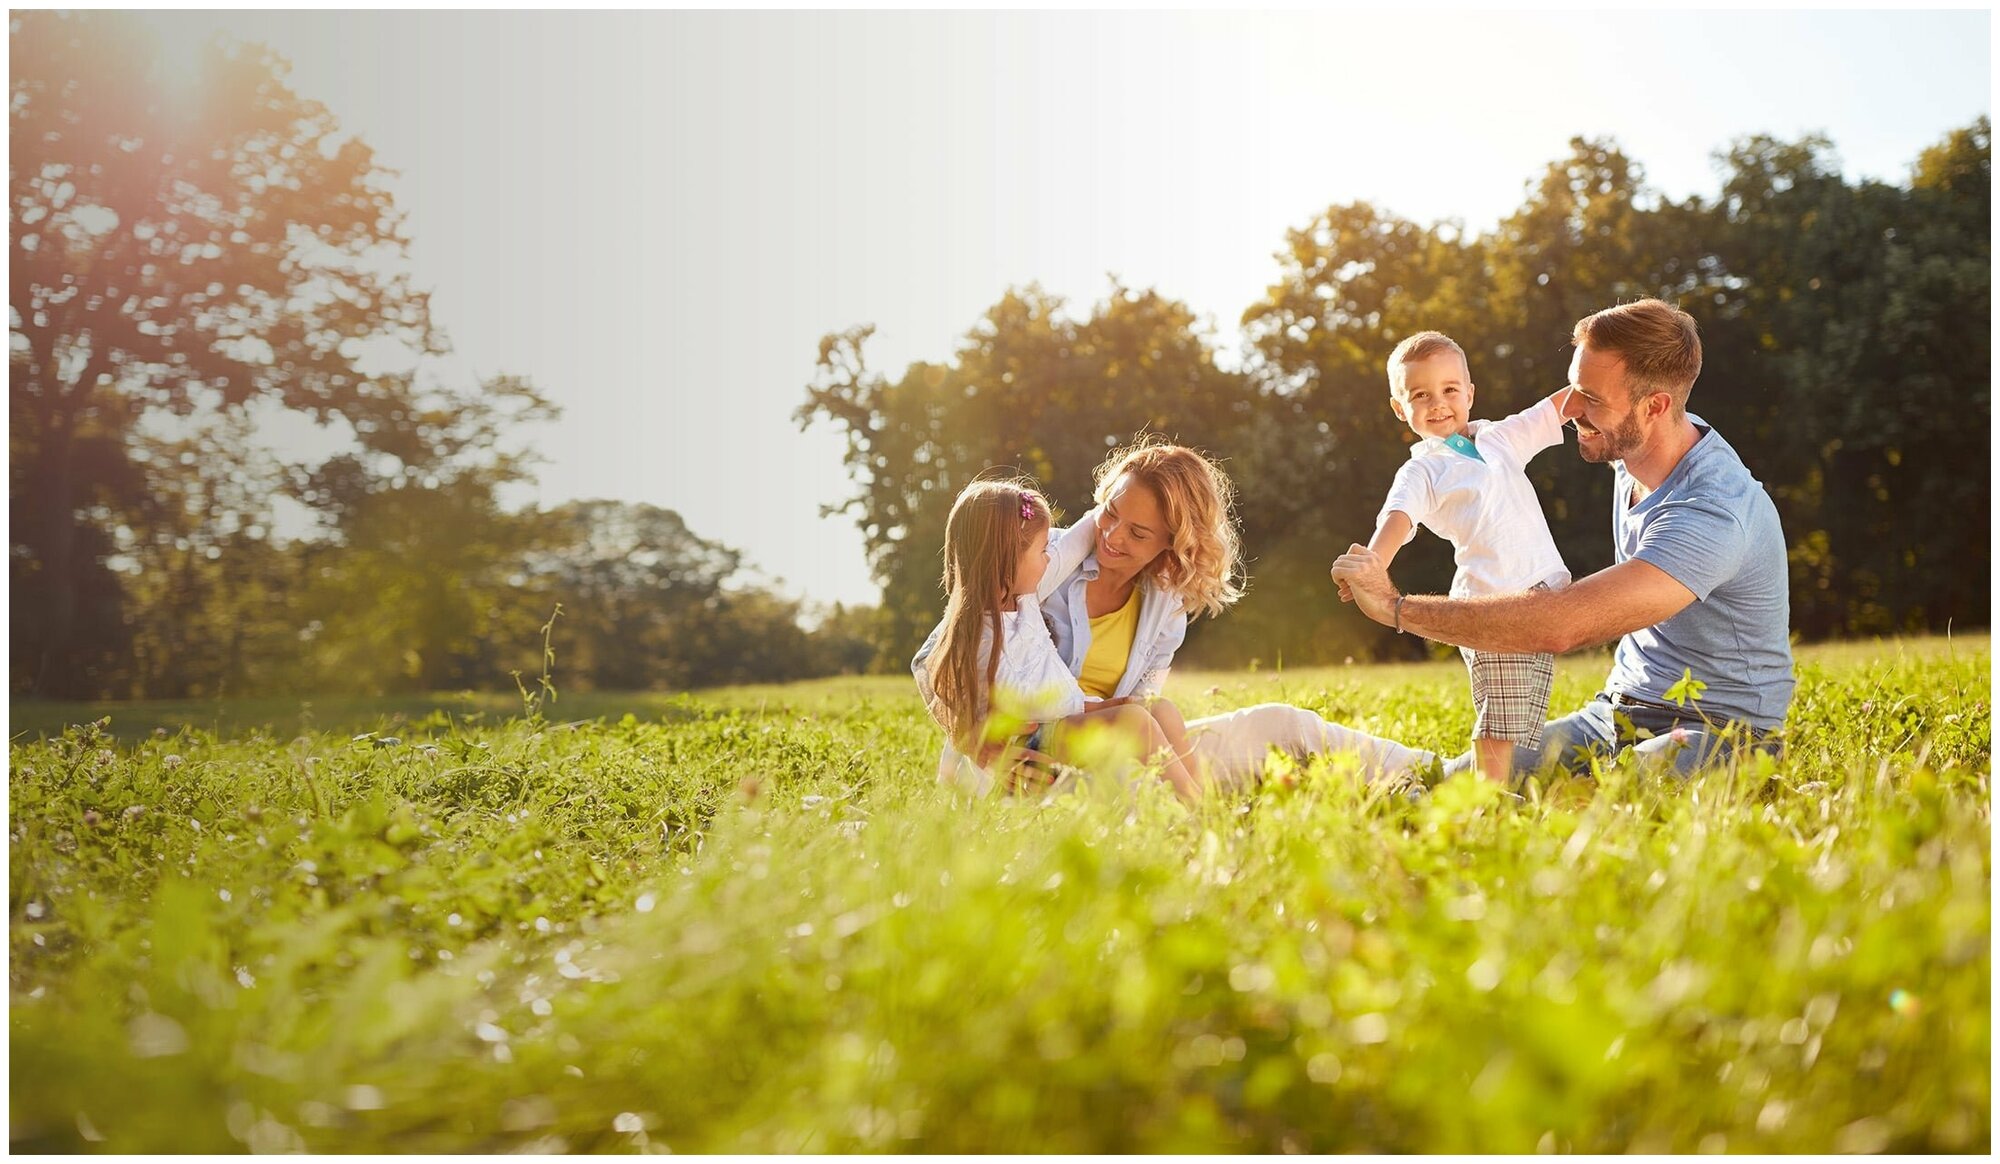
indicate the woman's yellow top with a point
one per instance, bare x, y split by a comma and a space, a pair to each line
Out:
1110, 650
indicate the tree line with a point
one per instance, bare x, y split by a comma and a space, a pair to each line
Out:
181, 266
184, 263
1847, 357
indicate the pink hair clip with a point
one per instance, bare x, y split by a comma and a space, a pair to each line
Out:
1027, 508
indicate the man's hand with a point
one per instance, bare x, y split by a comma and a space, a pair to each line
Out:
1364, 581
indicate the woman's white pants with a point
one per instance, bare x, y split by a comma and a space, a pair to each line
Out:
1235, 745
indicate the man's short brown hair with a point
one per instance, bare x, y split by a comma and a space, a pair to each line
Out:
1421, 346
1658, 342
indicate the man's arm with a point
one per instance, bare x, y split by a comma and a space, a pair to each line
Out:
1629, 596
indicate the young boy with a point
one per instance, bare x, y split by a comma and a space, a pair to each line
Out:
1467, 481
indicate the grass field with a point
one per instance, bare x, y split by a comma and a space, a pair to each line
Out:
747, 920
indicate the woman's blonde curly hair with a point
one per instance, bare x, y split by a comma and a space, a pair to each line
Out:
1203, 562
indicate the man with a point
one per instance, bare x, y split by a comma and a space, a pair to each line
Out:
1698, 582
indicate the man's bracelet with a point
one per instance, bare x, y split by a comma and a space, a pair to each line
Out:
1399, 613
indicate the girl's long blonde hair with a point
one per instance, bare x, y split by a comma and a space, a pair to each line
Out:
992, 524
1203, 561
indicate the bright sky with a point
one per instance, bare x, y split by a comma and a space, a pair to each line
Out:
655, 216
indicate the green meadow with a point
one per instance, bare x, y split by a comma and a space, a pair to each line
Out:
747, 920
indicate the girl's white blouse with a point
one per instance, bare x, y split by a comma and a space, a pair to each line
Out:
1032, 681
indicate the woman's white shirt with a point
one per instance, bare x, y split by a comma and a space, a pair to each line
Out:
1163, 624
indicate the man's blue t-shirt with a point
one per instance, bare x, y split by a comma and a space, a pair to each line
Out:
1711, 526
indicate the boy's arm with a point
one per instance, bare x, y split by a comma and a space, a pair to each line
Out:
1391, 535
1067, 551
1409, 501
1538, 426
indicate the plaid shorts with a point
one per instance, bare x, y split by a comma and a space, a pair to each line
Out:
1510, 695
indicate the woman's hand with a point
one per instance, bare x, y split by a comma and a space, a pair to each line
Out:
1031, 771
1027, 770
992, 750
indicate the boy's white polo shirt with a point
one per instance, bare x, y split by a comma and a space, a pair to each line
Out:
1486, 508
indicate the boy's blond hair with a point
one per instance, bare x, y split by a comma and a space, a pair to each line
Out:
1421, 346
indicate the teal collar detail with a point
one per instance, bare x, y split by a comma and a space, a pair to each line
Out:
1462, 444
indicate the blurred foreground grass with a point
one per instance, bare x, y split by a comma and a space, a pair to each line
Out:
747, 920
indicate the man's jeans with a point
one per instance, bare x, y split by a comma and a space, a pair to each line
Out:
1679, 736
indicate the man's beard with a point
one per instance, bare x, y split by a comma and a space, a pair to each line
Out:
1615, 444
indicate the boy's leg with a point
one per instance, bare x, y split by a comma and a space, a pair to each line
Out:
1566, 743
1494, 759
1510, 697
1492, 756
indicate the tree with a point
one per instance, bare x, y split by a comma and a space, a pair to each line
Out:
632, 578
1869, 304
844, 639
206, 586
1030, 390
170, 252
419, 582
648, 603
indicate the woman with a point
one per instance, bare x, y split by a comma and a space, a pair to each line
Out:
1167, 551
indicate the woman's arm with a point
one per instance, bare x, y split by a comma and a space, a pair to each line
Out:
1067, 550
1159, 656
1032, 682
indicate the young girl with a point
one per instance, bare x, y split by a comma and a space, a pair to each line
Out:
990, 667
